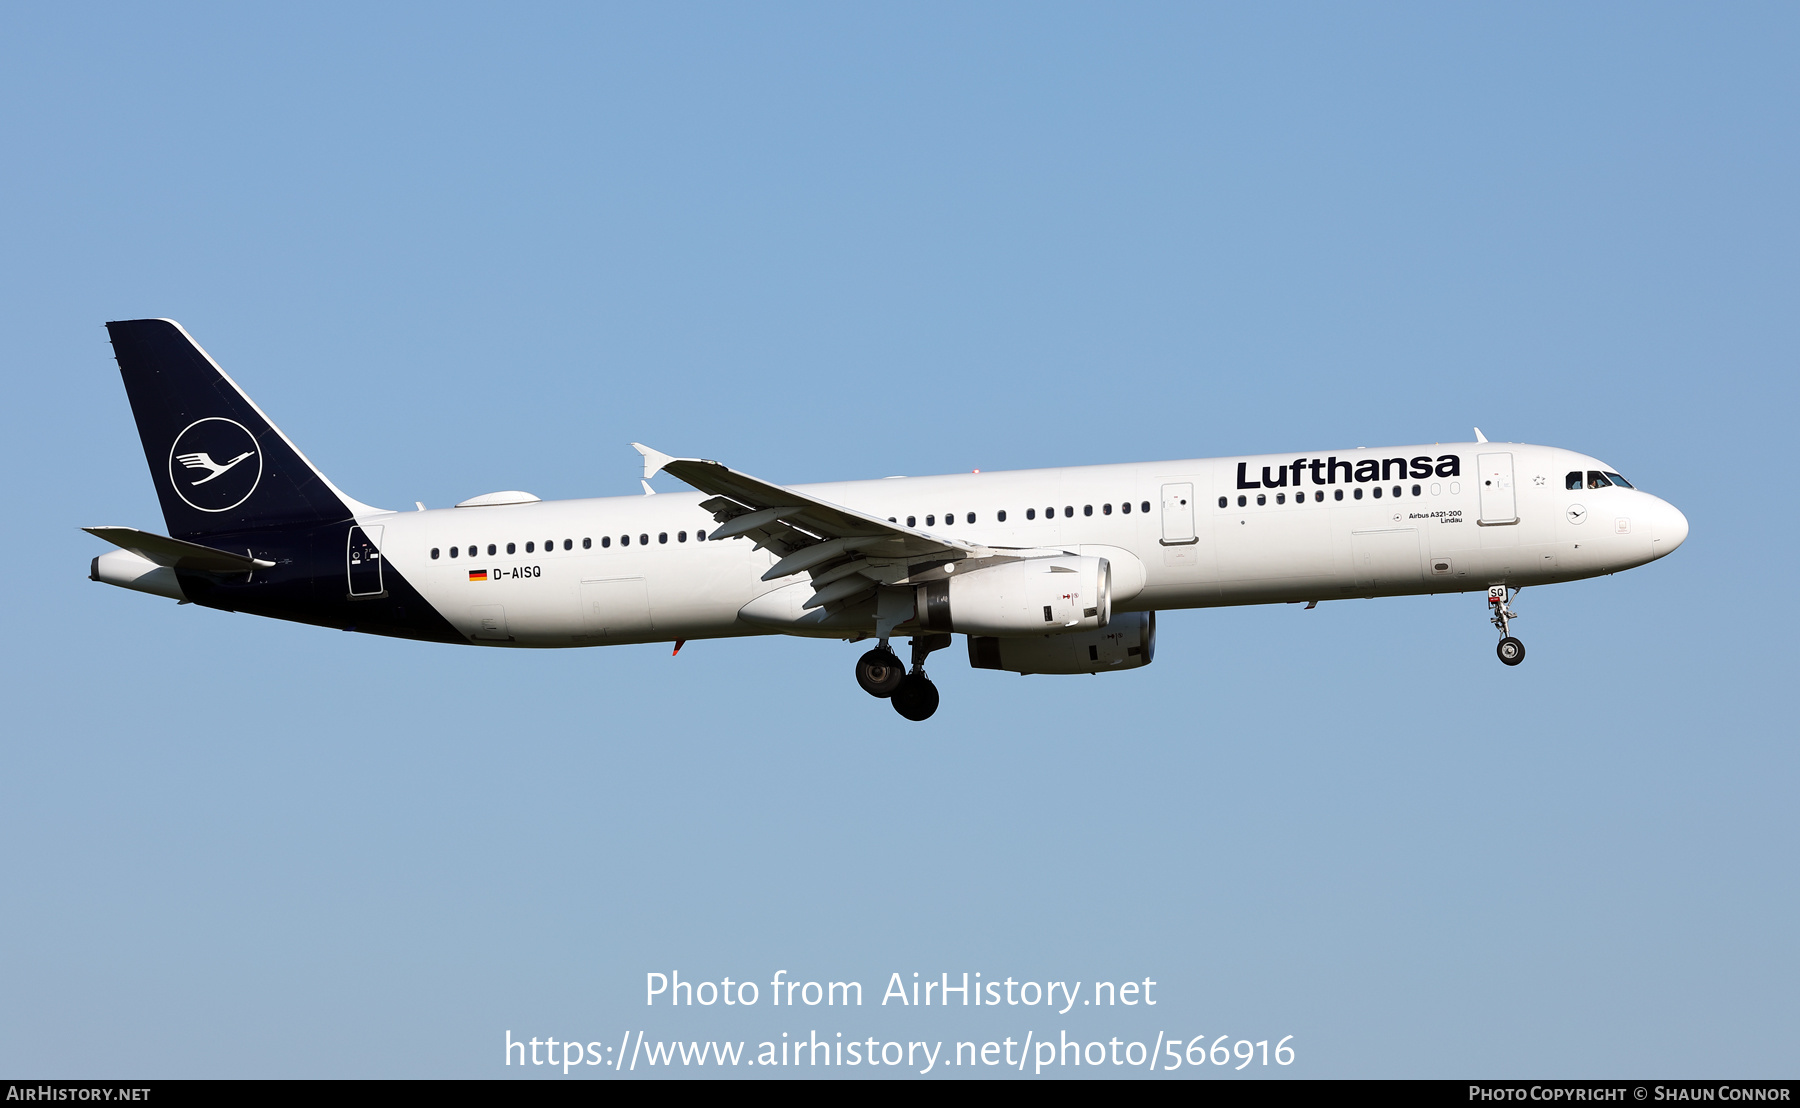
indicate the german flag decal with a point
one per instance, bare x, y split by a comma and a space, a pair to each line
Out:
478, 575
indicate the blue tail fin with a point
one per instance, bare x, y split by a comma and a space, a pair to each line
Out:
218, 463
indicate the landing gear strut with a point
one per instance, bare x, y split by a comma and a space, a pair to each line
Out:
916, 697
1511, 650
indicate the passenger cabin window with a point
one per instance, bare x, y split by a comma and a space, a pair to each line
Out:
1573, 480
512, 548
1125, 507
453, 552
492, 551
1087, 509
434, 553
1417, 490
644, 540
1281, 498
1358, 494
699, 536
662, 536
587, 544
1031, 513
1223, 502
1242, 500
1106, 509
530, 547
681, 536
624, 540
1261, 500
912, 521
1068, 511
1001, 515
1145, 506
605, 542
971, 517
931, 521
1337, 494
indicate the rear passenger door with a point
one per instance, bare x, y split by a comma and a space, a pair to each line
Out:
362, 563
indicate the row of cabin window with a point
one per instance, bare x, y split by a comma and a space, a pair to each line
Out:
569, 544
1030, 513
1318, 497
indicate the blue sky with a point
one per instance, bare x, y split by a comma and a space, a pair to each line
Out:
453, 249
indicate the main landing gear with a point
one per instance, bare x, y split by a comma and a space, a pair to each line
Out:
880, 673
1511, 650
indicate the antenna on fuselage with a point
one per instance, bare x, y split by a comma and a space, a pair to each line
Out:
1479, 437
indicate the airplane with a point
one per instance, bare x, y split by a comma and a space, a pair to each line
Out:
1049, 571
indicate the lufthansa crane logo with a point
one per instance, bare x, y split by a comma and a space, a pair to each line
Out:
215, 464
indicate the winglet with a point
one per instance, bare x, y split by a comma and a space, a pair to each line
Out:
654, 460
1479, 437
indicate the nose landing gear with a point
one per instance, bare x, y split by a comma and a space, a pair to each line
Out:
1510, 650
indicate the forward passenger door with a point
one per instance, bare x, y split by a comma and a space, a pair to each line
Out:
1498, 504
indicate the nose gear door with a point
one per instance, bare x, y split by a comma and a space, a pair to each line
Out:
1498, 505
362, 558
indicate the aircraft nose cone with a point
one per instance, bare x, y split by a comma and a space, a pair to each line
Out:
1671, 529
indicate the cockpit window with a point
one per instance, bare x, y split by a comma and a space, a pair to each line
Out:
1597, 480
1573, 480
1617, 480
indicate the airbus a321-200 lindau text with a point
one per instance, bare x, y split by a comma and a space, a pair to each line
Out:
1048, 571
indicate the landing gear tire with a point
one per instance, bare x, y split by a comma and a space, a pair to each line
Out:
916, 698
879, 672
1511, 651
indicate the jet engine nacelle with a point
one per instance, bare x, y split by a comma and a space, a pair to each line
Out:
1036, 596
1128, 642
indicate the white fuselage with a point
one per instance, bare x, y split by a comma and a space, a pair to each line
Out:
562, 573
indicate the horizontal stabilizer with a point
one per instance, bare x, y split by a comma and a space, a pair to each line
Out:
177, 554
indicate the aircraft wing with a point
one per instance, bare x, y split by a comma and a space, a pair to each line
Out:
177, 553
807, 532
